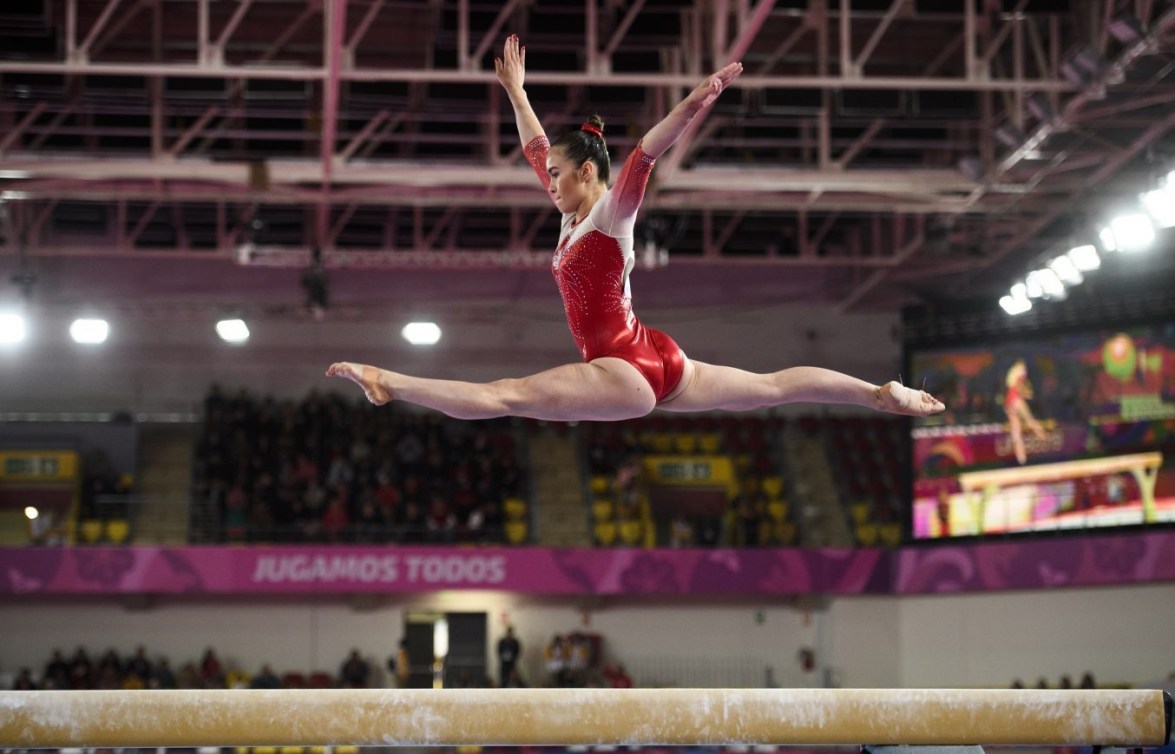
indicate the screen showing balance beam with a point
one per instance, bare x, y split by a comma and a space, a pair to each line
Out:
1073, 431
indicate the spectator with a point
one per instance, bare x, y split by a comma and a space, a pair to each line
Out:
24, 681
618, 677
354, 672
57, 671
162, 678
555, 658
139, 664
265, 679
211, 673
401, 665
81, 670
336, 521
681, 531
509, 650
370, 525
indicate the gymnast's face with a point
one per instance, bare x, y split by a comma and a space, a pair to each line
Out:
569, 182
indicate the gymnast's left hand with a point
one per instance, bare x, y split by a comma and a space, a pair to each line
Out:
707, 92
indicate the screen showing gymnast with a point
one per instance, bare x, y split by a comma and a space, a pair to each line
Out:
628, 368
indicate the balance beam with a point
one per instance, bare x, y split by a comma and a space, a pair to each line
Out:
566, 717
1144, 467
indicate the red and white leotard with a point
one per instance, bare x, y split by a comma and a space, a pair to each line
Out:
591, 268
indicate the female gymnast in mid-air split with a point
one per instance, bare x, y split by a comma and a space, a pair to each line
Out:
629, 369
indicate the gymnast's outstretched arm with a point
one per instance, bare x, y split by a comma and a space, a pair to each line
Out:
662, 136
511, 70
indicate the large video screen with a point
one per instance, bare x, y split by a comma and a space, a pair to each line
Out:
1071, 431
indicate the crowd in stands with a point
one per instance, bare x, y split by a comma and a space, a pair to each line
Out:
139, 671
866, 456
573, 660
329, 469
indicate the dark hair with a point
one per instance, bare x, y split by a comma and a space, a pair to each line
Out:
579, 146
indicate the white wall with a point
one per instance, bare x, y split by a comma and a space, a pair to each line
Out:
1122, 635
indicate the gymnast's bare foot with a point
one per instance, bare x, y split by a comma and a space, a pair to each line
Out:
365, 377
896, 398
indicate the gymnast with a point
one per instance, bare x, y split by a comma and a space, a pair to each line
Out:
629, 369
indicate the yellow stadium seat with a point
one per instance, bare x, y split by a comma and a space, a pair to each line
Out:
603, 510
291, 750
860, 512
600, 484
772, 487
346, 750
710, 443
685, 444
516, 532
515, 508
90, 530
777, 510
264, 750
891, 535
118, 531
662, 442
631, 532
316, 750
867, 534
605, 533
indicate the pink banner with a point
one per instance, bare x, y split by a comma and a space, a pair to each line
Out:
1028, 564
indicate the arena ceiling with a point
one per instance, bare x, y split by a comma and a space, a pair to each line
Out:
874, 153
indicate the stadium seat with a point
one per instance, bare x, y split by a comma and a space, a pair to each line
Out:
710, 443
600, 484
685, 444
860, 512
631, 532
867, 534
603, 510
891, 535
777, 510
90, 530
516, 532
515, 508
118, 531
605, 533
320, 680
773, 486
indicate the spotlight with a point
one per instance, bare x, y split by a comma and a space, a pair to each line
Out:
1046, 284
90, 331
1133, 232
12, 328
1064, 268
1106, 236
1084, 258
1161, 204
232, 330
421, 333
1014, 305
31, 513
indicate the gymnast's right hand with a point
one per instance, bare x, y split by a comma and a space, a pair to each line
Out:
511, 67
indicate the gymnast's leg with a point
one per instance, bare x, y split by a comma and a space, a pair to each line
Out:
605, 389
707, 387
